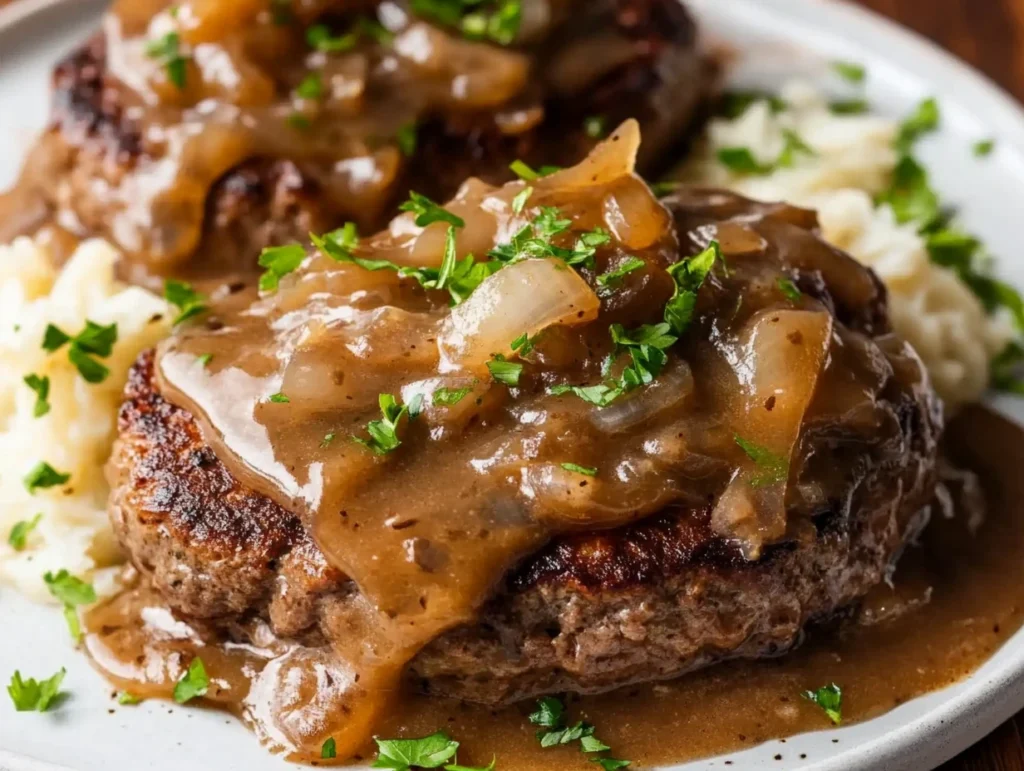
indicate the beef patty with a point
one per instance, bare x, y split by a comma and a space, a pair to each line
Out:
84, 166
593, 610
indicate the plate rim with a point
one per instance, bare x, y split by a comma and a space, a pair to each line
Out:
989, 701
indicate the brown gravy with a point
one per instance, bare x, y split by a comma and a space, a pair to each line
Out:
956, 599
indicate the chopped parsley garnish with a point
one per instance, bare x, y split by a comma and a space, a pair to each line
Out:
647, 345
41, 387
773, 468
550, 716
689, 276
984, 148
279, 261
523, 345
1008, 370
611, 764
596, 126
829, 698
910, 195
19, 534
794, 144
523, 170
504, 371
193, 683
429, 752
326, 441
789, 289
329, 749
187, 300
127, 699
204, 360
319, 37
449, 397
71, 592
43, 476
406, 138
460, 278
742, 161
849, 107
94, 340
311, 87
384, 432
519, 202
167, 50
299, 122
32, 696
923, 120
278, 398
735, 103
613, 277
851, 71
428, 212
590, 471
537, 240
497, 20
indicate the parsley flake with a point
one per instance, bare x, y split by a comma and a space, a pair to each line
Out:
429, 752
329, 750
849, 107
550, 716
851, 71
449, 397
504, 371
204, 360
319, 37
278, 398
127, 699
923, 120
193, 683
742, 161
71, 592
774, 469
41, 387
611, 764
789, 289
428, 212
384, 433
188, 301
489, 767
43, 476
19, 534
524, 344
407, 139
311, 87
519, 202
613, 277
984, 148
279, 261
689, 276
830, 699
590, 471
910, 195
94, 340
167, 50
32, 696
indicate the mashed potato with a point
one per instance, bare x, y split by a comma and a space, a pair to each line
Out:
75, 436
853, 161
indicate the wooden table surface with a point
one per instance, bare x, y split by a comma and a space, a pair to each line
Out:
989, 34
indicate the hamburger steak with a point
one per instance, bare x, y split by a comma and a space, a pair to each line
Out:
677, 550
268, 167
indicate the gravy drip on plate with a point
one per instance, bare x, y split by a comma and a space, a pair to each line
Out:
951, 607
427, 531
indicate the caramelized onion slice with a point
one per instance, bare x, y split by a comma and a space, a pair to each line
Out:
669, 391
525, 297
610, 160
777, 362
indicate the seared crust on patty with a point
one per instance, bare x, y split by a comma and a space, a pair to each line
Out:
588, 613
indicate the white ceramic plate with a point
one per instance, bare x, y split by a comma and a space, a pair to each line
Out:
779, 38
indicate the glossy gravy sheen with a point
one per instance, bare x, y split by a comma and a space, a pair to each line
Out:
427, 531
956, 599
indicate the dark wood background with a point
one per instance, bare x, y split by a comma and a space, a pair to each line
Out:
988, 34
